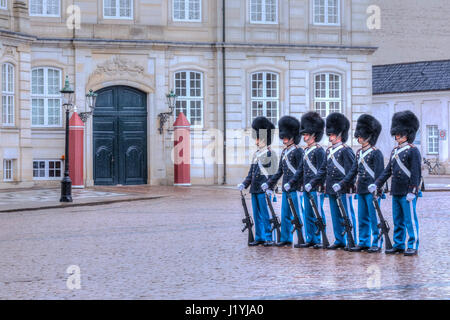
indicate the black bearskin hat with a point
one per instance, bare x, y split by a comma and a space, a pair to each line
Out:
263, 129
312, 123
338, 124
289, 128
367, 127
405, 123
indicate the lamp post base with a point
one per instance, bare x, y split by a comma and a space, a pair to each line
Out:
66, 190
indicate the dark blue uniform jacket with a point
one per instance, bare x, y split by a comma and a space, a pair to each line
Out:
268, 160
374, 161
304, 174
291, 158
330, 173
403, 184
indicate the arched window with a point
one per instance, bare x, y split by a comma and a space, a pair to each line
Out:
45, 97
327, 93
189, 91
265, 95
44, 8
8, 94
326, 12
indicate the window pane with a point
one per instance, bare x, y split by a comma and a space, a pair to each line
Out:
194, 10
179, 9
256, 10
195, 113
52, 7
54, 111
125, 8
271, 10
53, 79
319, 11
37, 111
36, 6
180, 84
109, 8
37, 81
195, 84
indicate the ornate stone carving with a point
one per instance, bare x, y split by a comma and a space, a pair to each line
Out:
119, 66
9, 51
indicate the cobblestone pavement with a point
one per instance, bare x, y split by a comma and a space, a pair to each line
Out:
189, 246
47, 195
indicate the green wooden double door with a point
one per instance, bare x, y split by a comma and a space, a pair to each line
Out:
120, 136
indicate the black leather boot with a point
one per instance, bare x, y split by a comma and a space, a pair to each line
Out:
410, 252
255, 243
394, 250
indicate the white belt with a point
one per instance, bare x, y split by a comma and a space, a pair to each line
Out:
399, 162
366, 166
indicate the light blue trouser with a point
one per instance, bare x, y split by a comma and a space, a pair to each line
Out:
309, 217
287, 216
368, 221
261, 217
338, 228
405, 219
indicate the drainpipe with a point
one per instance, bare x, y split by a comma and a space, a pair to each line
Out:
224, 98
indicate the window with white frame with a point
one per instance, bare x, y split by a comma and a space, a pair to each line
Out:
45, 97
433, 139
47, 169
327, 93
8, 94
7, 170
326, 12
189, 91
187, 10
4, 4
263, 11
265, 96
118, 9
44, 8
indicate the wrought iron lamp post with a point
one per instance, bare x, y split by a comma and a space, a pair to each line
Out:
66, 183
91, 97
164, 116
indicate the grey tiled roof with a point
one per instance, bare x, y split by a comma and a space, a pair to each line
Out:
411, 77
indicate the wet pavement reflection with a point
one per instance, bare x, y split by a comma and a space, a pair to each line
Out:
189, 246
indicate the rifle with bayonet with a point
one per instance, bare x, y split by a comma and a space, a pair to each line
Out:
247, 220
276, 225
346, 222
320, 224
383, 225
296, 221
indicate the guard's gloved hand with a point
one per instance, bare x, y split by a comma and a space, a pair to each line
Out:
264, 186
410, 197
240, 186
287, 186
269, 192
308, 187
372, 188
336, 187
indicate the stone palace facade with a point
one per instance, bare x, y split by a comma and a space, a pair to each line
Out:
267, 57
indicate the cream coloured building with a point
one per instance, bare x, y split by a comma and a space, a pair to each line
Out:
281, 57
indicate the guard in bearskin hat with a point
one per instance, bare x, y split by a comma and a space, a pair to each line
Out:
264, 164
339, 161
405, 168
291, 159
368, 166
312, 128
